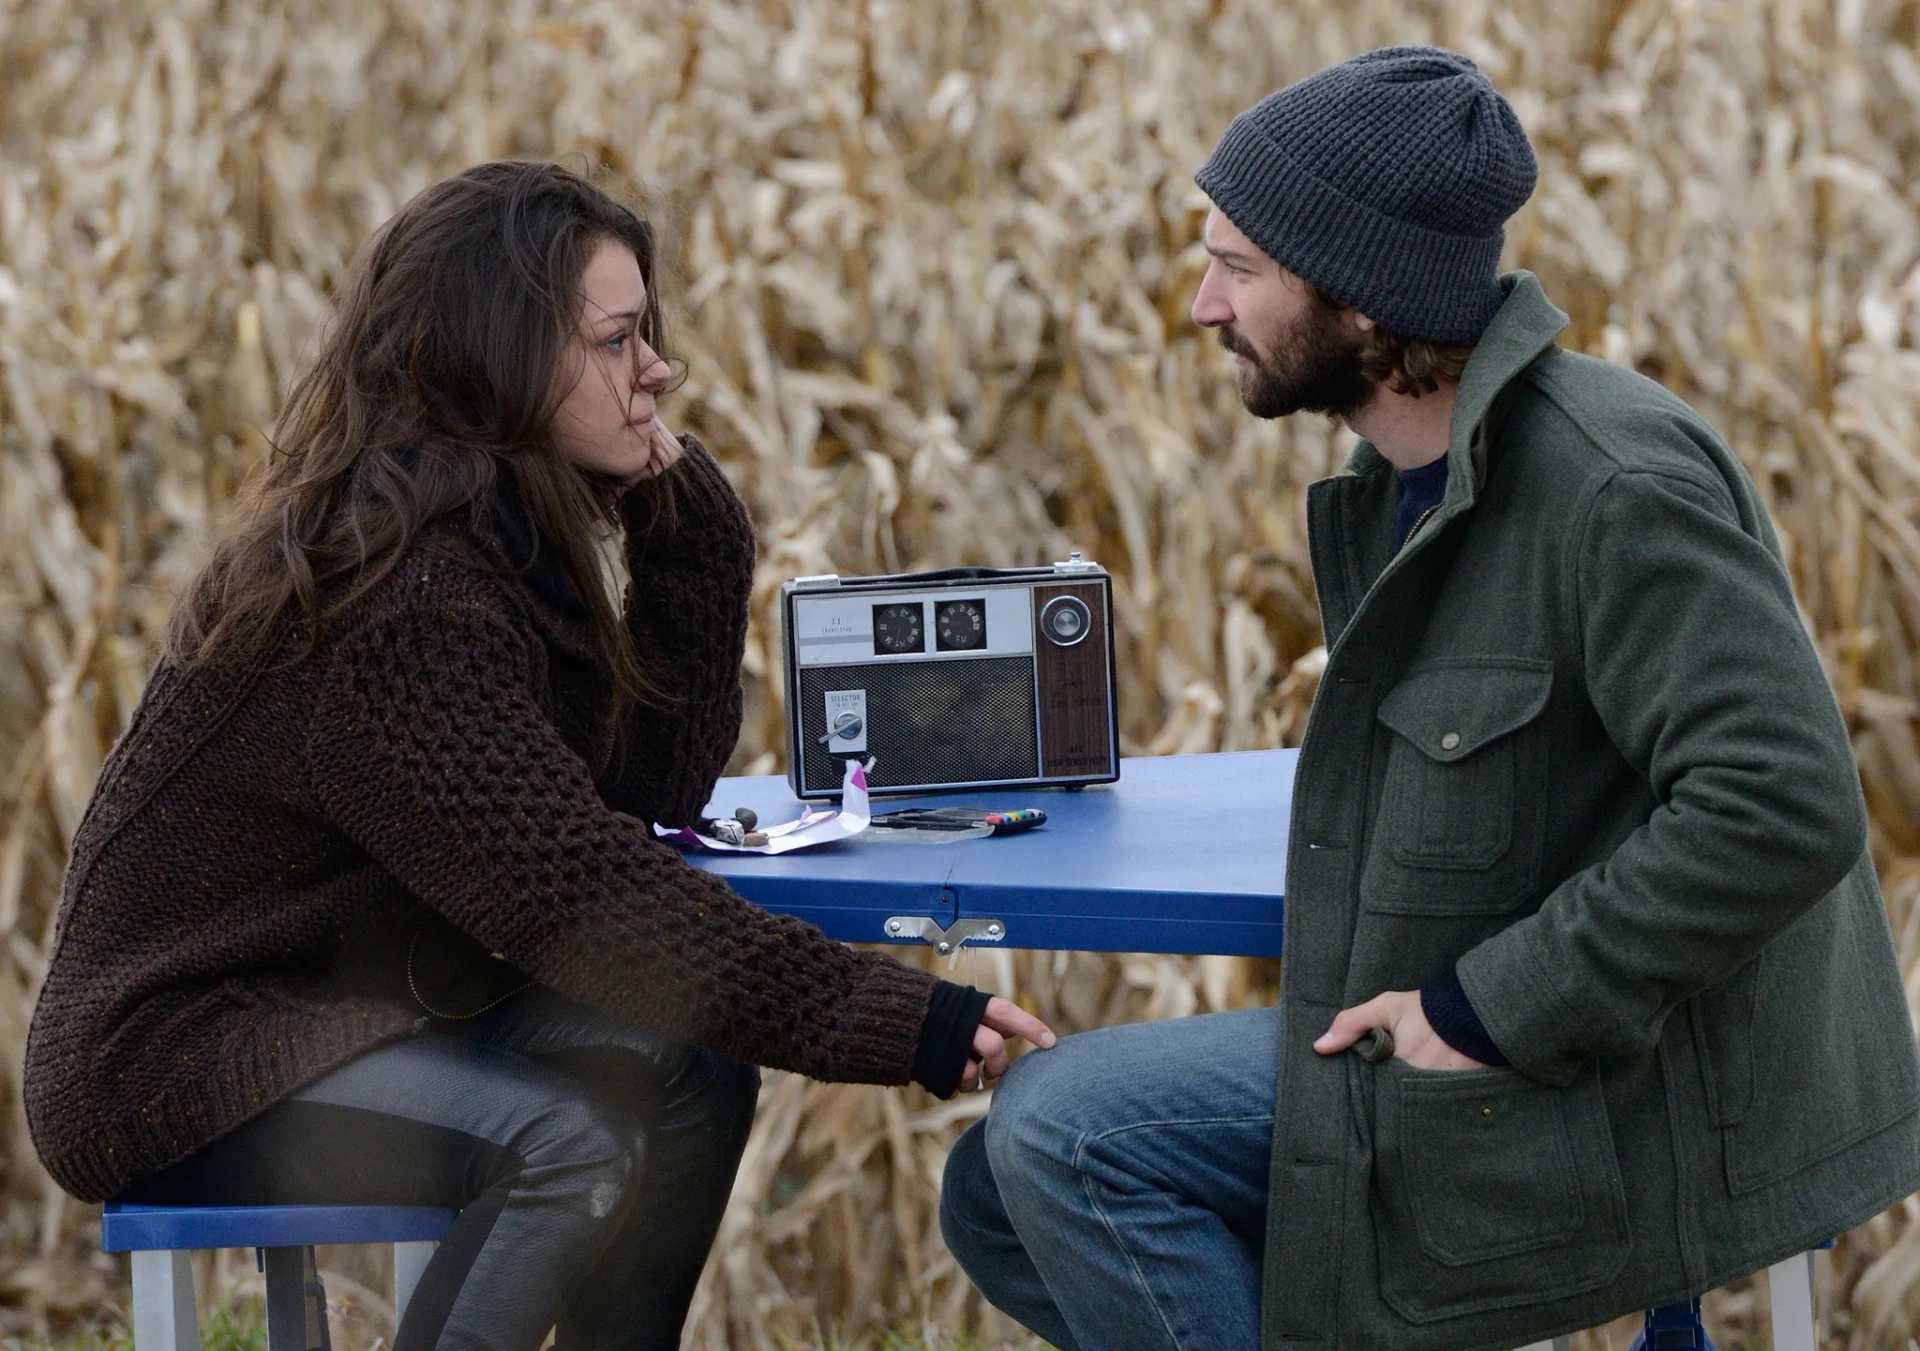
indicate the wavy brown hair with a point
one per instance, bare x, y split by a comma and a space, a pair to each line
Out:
1404, 365
434, 392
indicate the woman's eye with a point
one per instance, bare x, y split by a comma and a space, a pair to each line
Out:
616, 343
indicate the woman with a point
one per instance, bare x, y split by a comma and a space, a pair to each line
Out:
367, 905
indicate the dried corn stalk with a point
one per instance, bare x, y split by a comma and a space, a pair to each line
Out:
933, 263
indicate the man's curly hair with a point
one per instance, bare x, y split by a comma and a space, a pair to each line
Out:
1404, 365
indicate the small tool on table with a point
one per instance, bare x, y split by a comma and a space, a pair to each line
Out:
948, 825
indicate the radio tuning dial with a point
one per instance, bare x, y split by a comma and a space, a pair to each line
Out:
1065, 620
898, 629
960, 625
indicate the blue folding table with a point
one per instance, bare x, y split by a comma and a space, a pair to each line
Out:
1186, 853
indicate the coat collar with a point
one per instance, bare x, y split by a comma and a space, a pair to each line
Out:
1525, 326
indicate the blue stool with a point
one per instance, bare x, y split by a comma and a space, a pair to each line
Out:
1674, 1327
165, 1316
1677, 1327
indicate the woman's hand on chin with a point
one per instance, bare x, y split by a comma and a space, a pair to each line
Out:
664, 451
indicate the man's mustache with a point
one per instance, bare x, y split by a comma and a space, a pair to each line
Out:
1236, 344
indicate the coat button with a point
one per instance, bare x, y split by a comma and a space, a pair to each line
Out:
1449, 741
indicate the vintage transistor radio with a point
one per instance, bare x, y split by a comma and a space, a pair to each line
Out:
966, 678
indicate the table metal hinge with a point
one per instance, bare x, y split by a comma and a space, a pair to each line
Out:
946, 942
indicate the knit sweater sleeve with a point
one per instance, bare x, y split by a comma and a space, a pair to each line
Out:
430, 750
691, 565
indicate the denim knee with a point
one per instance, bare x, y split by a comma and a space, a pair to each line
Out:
1036, 1118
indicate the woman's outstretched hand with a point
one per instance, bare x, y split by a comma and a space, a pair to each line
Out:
1003, 1019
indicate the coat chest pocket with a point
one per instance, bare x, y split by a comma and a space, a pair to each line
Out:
1463, 809
1492, 1191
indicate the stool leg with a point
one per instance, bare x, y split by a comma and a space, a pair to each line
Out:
1791, 1286
317, 1335
296, 1303
409, 1260
165, 1316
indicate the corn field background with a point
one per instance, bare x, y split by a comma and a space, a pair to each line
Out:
932, 262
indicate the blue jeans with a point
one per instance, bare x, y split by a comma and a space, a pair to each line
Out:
1115, 1198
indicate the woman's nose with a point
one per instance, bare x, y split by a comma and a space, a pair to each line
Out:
650, 369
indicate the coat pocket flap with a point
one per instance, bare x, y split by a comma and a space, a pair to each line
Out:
1451, 708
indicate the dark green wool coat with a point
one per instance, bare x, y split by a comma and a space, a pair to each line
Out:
1574, 744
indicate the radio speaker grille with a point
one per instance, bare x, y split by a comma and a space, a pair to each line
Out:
969, 721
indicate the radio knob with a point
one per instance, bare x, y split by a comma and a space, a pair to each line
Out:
845, 728
1065, 620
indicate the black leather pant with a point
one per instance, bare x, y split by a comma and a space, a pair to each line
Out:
590, 1162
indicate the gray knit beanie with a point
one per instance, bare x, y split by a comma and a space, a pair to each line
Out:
1385, 181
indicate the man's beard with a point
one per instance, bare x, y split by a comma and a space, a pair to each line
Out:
1315, 366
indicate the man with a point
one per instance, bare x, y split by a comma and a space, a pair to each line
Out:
1589, 1000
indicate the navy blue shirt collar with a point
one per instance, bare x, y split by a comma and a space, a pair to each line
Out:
1420, 491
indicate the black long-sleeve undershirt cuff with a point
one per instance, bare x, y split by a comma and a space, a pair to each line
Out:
1451, 1014
946, 1037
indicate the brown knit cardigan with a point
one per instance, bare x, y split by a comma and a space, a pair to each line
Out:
267, 845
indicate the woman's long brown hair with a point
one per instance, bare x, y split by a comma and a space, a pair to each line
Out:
450, 352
